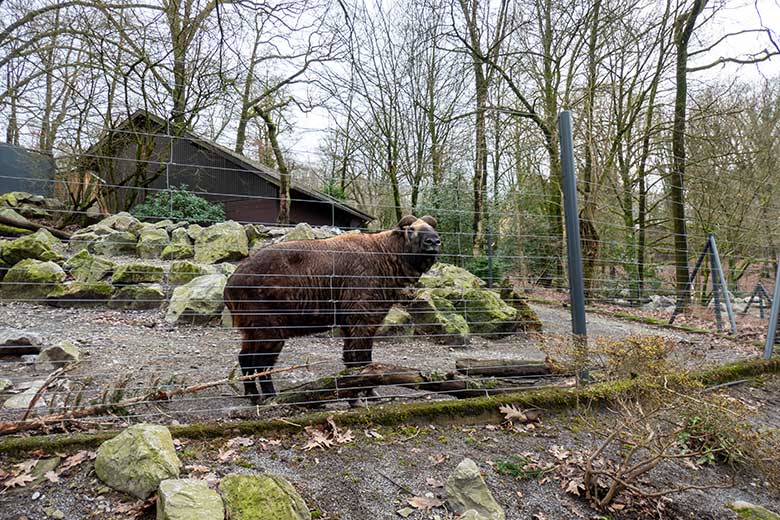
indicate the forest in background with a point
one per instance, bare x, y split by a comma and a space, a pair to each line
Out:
447, 107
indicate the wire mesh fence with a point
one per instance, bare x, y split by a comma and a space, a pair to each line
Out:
166, 316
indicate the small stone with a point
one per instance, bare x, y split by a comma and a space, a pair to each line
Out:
749, 511
5, 384
466, 490
22, 401
42, 467
58, 515
59, 355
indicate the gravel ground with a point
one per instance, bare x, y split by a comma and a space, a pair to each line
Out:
374, 477
143, 348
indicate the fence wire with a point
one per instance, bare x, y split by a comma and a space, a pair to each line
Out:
163, 340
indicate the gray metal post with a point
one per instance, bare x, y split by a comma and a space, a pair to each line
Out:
723, 285
490, 257
771, 333
715, 286
574, 251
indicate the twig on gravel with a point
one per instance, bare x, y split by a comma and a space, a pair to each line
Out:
724, 385
8, 427
46, 384
403, 488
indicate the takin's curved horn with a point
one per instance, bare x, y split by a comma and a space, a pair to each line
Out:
429, 220
407, 221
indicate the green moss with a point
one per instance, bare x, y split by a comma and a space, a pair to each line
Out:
261, 496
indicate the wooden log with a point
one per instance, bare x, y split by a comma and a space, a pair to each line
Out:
354, 383
32, 226
501, 367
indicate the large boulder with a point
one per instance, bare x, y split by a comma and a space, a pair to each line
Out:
467, 491
113, 244
398, 322
484, 310
221, 242
152, 241
177, 252
40, 245
86, 267
31, 280
748, 511
129, 274
198, 301
138, 459
180, 235
255, 497
122, 221
80, 294
436, 317
302, 231
138, 296
182, 272
188, 499
18, 342
442, 275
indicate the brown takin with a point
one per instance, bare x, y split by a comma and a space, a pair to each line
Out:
347, 283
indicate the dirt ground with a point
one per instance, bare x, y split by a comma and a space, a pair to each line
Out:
374, 475
141, 349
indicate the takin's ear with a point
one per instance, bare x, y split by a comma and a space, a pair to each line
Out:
429, 220
407, 221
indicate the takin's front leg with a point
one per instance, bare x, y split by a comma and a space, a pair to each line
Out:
357, 351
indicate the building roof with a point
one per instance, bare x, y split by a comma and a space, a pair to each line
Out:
249, 165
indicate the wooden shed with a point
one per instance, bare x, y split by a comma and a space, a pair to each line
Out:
143, 155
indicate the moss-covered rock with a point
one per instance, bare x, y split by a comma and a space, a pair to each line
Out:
398, 322
467, 491
182, 272
180, 236
114, 244
484, 310
122, 221
86, 267
750, 511
128, 274
138, 296
31, 280
177, 252
198, 301
302, 231
152, 241
40, 245
138, 459
436, 317
188, 499
13, 215
221, 242
442, 275
262, 497
80, 294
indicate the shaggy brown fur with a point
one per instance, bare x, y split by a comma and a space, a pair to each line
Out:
348, 282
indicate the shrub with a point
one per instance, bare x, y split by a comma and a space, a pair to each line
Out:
179, 204
479, 267
332, 189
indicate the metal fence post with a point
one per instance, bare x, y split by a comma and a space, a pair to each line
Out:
573, 247
490, 257
723, 285
771, 332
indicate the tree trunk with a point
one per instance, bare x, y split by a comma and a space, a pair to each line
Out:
284, 174
683, 29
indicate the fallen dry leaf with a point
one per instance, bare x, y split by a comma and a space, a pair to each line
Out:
75, 460
373, 433
317, 439
235, 442
424, 503
559, 452
225, 455
52, 477
26, 466
438, 458
18, 481
196, 468
573, 486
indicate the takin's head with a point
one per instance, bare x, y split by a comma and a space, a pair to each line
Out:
421, 242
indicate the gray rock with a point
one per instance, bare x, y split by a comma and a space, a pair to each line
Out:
31, 280
198, 301
122, 221
181, 236
194, 231
59, 355
138, 296
177, 252
86, 267
128, 274
302, 231
188, 499
80, 294
17, 342
152, 241
138, 459
40, 245
182, 272
114, 244
749, 511
221, 242
22, 401
5, 384
466, 490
